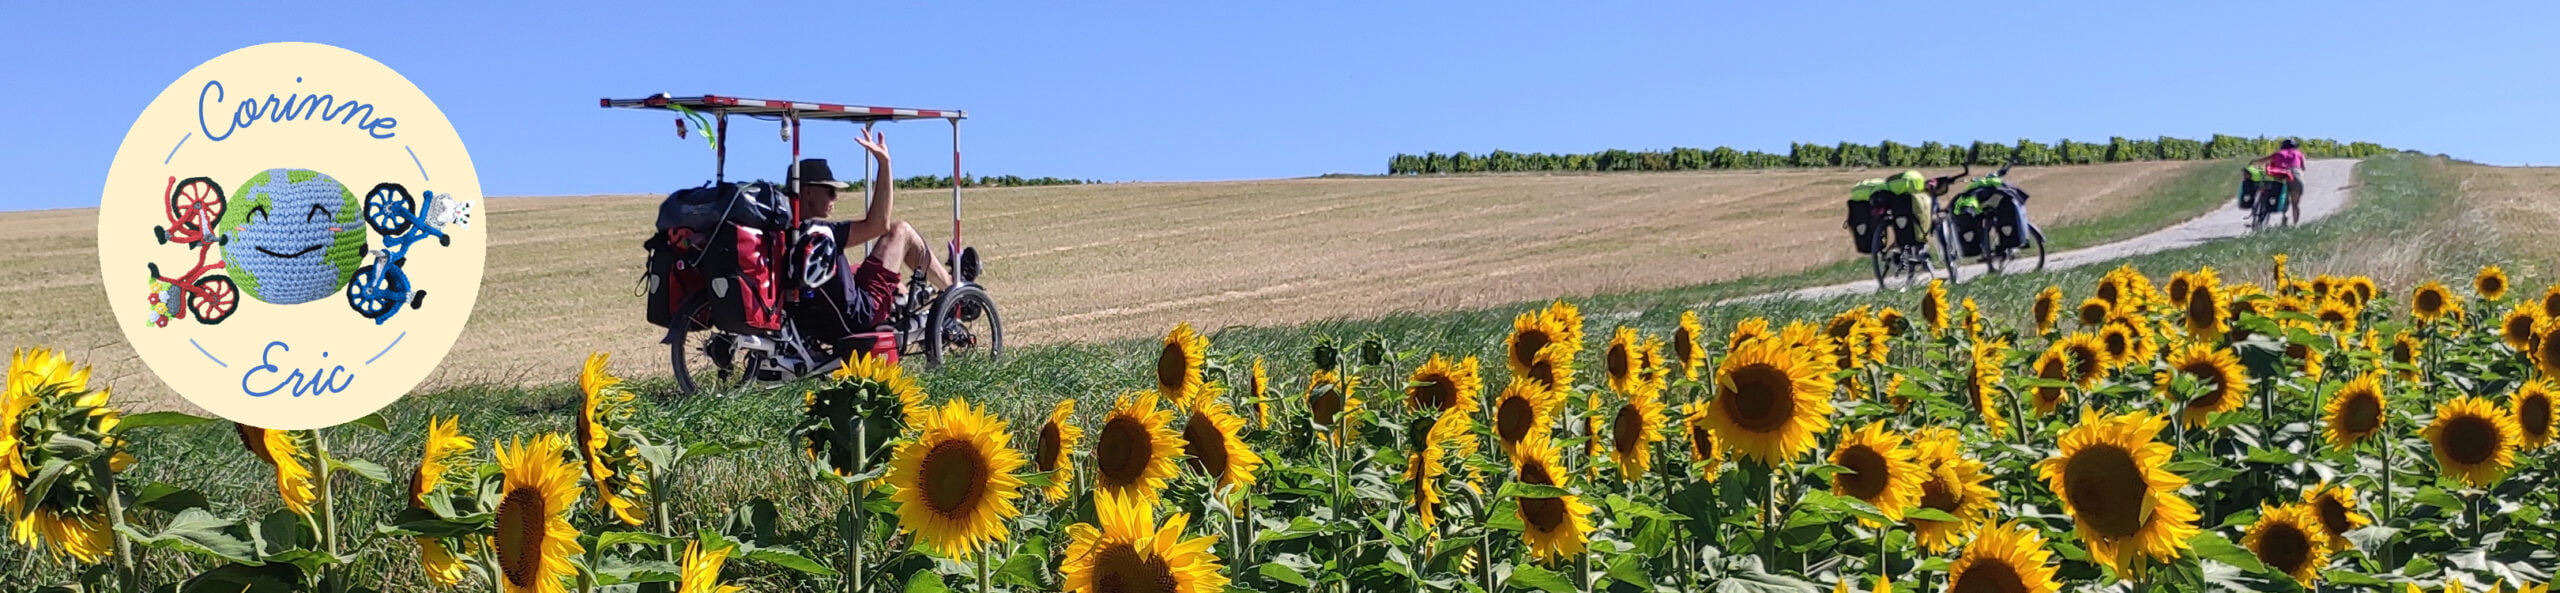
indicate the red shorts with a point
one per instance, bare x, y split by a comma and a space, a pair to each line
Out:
875, 288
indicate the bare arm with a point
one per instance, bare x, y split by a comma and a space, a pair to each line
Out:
875, 219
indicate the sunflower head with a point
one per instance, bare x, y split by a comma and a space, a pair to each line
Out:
1050, 449
1125, 550
2094, 310
1989, 364
2546, 348
1950, 483
285, 452
2179, 282
701, 570
1178, 364
2520, 328
1258, 389
1685, 353
1567, 319
2335, 507
2355, 413
2053, 365
612, 453
2047, 309
1701, 444
534, 541
847, 425
2113, 480
2550, 301
2490, 284
1524, 407
2004, 558
1933, 307
1553, 528
1880, 470
1772, 400
955, 482
1213, 441
2432, 301
2288, 539
45, 494
2532, 405
1892, 320
2474, 441
2405, 350
1134, 447
1445, 386
1434, 441
2219, 383
1622, 362
2205, 320
1531, 333
1633, 429
447, 461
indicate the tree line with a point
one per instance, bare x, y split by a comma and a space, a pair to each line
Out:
1886, 154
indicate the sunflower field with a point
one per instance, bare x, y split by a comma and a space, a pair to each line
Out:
2213, 430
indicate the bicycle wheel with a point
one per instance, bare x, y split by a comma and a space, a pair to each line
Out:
1989, 240
381, 214
2035, 240
1946, 246
201, 199
375, 294
214, 299
964, 324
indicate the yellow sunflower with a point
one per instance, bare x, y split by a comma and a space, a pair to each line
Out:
2094, 311
534, 540
2491, 284
956, 481
48, 396
1892, 321
2337, 317
1443, 387
1553, 366
1881, 471
2432, 301
1972, 320
1701, 439
2221, 384
2307, 359
1848, 348
2047, 309
1127, 552
862, 367
1531, 333
2546, 348
2119, 344
2109, 291
1685, 353
1554, 528
2355, 413
2004, 558
2205, 320
2280, 276
1427, 461
1620, 360
1178, 364
1525, 407
614, 464
1951, 483
1633, 430
2518, 328
701, 572
1050, 454
1772, 401
2288, 539
2474, 441
2053, 365
1213, 438
2335, 506
2551, 301
1933, 307
1568, 322
2179, 282
1982, 386
446, 461
1259, 390
296, 482
2364, 287
2405, 350
2113, 481
2532, 403
1133, 450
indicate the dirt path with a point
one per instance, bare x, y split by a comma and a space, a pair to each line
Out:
2325, 192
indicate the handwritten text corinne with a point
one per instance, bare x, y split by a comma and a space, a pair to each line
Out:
316, 107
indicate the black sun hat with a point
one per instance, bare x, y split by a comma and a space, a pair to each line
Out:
815, 171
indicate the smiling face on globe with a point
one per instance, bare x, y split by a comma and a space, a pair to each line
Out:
294, 236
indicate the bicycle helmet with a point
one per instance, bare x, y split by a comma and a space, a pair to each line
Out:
2288, 143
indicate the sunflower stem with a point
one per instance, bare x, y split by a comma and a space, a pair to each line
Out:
1882, 562
104, 480
328, 510
983, 585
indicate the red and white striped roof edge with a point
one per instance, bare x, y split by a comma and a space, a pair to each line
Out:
801, 109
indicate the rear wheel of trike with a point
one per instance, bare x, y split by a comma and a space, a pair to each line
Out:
964, 324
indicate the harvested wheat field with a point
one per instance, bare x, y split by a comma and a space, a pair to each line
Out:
2518, 206
1124, 260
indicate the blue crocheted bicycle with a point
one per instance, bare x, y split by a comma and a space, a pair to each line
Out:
380, 288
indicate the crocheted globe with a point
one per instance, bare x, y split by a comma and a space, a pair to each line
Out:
294, 236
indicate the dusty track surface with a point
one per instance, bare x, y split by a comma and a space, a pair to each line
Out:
2325, 191
1122, 260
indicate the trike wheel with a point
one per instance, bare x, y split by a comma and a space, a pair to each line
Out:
213, 300
200, 200
390, 210
965, 324
375, 292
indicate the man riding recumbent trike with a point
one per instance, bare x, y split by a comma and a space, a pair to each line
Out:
771, 283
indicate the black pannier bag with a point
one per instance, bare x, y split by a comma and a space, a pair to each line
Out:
1861, 216
757, 205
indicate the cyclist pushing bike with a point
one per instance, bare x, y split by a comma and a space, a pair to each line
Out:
2283, 167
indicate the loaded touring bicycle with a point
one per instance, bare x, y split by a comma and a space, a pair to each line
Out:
730, 258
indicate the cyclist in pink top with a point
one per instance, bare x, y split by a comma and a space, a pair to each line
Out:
2286, 164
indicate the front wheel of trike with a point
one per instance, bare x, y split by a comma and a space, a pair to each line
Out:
965, 324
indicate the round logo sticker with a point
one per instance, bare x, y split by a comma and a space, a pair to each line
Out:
291, 236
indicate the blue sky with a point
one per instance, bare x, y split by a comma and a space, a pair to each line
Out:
1226, 90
